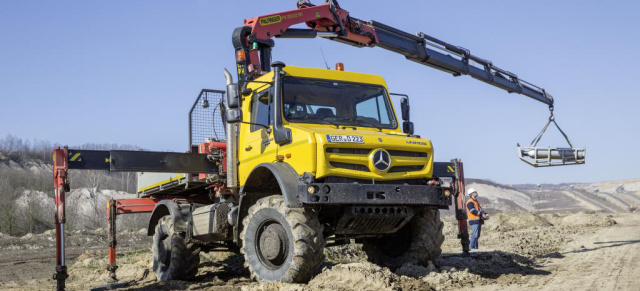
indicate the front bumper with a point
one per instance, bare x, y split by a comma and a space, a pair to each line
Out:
375, 194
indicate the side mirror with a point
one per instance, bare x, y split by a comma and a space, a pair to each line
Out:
405, 108
234, 115
233, 98
407, 127
281, 134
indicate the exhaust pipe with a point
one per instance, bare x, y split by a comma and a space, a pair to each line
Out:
232, 139
228, 77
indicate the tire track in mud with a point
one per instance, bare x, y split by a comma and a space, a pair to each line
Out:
597, 205
634, 195
618, 200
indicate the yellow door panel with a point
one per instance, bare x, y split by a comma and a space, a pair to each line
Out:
256, 145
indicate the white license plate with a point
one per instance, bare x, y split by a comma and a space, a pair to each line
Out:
345, 138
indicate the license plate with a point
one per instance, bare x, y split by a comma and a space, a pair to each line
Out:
345, 138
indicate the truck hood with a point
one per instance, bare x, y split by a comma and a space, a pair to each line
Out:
348, 152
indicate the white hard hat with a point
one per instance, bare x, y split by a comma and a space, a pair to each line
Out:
471, 191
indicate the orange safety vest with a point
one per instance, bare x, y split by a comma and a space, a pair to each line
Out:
477, 207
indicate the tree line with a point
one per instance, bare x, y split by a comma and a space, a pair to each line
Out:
26, 165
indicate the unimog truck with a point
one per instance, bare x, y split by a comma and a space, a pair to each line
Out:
289, 160
336, 166
320, 159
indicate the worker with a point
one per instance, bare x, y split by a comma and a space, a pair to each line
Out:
476, 217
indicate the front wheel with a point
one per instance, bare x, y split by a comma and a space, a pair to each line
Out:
281, 244
418, 242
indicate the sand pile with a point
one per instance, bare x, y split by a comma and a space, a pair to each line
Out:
508, 222
349, 253
584, 219
90, 266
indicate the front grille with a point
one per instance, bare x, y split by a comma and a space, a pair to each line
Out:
355, 167
336, 162
407, 154
398, 169
348, 151
357, 151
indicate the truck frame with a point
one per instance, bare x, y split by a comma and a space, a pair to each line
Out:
277, 171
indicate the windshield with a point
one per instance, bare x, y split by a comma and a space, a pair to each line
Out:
334, 102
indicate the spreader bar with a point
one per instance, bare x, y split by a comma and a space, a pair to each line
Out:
141, 161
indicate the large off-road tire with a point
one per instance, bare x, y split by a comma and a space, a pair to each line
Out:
173, 259
281, 244
418, 242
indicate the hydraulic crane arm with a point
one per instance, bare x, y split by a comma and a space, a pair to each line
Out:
253, 43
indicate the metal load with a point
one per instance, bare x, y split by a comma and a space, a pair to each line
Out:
568, 154
540, 157
551, 156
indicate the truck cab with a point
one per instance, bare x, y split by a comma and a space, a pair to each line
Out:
343, 128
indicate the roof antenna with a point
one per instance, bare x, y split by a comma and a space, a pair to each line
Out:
325, 59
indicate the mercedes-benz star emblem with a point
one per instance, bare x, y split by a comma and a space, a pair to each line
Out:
381, 160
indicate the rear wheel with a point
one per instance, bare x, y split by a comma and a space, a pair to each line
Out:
280, 243
418, 242
173, 259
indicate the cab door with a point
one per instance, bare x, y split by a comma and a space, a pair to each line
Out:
256, 145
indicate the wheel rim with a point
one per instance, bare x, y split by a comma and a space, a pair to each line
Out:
272, 244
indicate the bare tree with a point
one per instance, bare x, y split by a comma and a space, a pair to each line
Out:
31, 213
8, 206
73, 212
98, 211
95, 179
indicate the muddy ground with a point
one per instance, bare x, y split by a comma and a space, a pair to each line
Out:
570, 251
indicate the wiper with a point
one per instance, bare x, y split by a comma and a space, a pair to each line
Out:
316, 118
358, 121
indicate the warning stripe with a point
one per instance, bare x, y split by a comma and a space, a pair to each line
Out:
75, 157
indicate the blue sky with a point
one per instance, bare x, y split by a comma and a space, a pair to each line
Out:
127, 72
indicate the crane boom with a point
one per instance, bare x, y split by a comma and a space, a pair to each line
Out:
255, 40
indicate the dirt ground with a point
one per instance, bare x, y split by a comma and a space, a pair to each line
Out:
523, 251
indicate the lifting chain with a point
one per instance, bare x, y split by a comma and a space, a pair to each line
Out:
552, 118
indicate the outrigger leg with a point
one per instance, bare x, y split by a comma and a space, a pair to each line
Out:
61, 184
111, 218
461, 214
114, 208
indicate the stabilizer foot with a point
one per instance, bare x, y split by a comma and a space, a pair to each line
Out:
60, 276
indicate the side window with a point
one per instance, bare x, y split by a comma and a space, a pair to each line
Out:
260, 109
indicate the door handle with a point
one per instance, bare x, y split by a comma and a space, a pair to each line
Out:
248, 148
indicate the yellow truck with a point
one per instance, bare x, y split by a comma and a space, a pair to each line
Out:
289, 160
343, 169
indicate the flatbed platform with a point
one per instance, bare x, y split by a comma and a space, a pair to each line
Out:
174, 186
